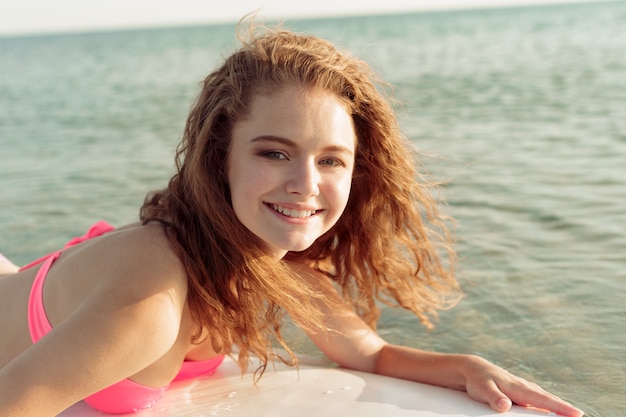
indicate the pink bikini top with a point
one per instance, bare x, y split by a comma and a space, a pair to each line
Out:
126, 396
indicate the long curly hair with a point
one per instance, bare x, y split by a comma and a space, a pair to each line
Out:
390, 244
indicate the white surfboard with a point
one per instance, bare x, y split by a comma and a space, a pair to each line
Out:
311, 391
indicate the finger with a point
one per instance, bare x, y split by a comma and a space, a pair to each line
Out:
502, 404
535, 396
492, 395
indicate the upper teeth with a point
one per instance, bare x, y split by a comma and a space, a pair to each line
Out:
293, 213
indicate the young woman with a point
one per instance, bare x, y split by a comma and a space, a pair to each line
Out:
295, 193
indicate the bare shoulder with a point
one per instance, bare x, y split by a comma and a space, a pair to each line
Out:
143, 255
134, 277
145, 243
127, 265
116, 304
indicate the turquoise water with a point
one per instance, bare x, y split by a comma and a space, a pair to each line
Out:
522, 112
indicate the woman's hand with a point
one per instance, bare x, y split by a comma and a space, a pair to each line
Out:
500, 389
352, 344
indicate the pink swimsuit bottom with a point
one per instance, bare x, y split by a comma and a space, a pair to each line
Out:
126, 396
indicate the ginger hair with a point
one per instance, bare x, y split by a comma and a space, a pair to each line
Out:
381, 247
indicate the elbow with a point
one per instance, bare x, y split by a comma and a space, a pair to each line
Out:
366, 358
379, 363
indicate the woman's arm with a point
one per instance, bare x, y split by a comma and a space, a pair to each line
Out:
352, 344
129, 320
96, 347
481, 379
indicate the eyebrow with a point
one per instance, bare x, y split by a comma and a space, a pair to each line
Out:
291, 143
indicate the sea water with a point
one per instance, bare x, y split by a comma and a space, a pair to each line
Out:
521, 112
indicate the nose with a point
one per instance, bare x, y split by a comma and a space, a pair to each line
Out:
304, 179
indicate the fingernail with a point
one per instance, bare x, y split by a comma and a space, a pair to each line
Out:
504, 404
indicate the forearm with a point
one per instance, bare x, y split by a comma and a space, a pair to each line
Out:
19, 398
445, 370
482, 380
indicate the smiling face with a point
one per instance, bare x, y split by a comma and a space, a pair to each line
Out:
290, 166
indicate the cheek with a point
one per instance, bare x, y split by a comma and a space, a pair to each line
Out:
247, 182
237, 183
341, 193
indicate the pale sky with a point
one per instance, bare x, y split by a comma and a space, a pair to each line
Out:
43, 16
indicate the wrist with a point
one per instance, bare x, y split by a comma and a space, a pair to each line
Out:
468, 366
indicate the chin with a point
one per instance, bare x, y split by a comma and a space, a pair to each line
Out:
290, 245
298, 247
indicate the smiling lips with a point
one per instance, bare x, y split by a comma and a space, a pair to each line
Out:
300, 214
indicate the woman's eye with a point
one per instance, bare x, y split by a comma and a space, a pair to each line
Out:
332, 162
274, 155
